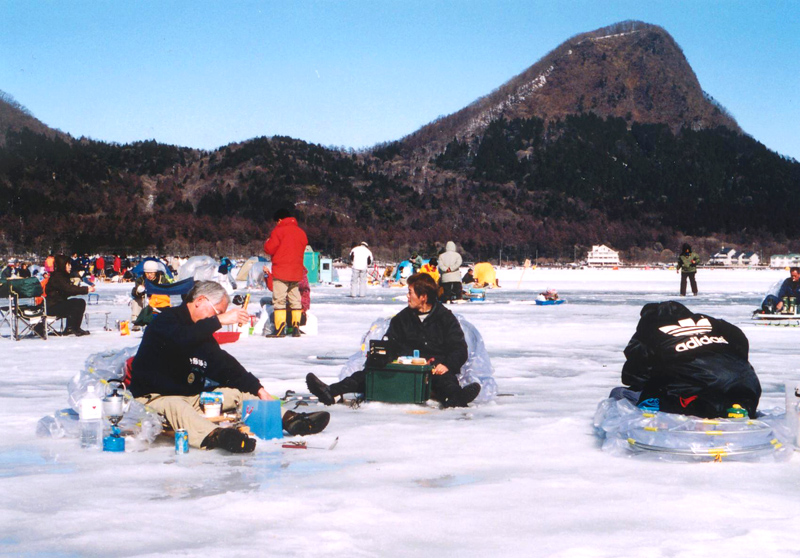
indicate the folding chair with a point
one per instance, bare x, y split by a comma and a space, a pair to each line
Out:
6, 310
28, 313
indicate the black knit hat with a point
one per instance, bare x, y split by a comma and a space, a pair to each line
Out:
282, 213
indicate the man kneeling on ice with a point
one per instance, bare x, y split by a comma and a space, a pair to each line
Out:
179, 353
424, 325
690, 364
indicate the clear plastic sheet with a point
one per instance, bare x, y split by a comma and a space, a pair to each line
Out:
139, 423
206, 268
478, 367
627, 430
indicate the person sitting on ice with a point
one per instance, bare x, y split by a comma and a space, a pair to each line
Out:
424, 325
177, 357
549, 294
686, 363
790, 288
469, 277
152, 273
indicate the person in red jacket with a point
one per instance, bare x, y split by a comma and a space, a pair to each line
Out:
286, 246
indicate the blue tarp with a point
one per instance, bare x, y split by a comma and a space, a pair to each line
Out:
179, 288
138, 269
398, 272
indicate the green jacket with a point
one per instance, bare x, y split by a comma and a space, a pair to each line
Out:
688, 262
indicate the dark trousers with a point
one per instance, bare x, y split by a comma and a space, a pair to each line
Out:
72, 309
443, 386
451, 291
690, 276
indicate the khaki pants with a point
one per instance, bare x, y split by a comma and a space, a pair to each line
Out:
281, 290
136, 309
183, 411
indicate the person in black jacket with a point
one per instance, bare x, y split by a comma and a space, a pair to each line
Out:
690, 364
58, 291
179, 358
424, 325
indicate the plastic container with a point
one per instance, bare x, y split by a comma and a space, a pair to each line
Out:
91, 420
263, 418
212, 410
223, 337
399, 383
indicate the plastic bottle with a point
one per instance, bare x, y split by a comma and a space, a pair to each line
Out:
91, 420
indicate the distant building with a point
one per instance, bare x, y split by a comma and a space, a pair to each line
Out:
784, 260
723, 257
602, 256
728, 257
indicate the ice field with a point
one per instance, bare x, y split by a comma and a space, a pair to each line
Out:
523, 475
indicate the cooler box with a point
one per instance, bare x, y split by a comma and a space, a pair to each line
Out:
399, 383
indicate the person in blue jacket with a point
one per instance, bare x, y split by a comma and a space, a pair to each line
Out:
789, 289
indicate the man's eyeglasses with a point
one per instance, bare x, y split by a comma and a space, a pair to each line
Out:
216, 312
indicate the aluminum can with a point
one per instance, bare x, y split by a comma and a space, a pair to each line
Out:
181, 441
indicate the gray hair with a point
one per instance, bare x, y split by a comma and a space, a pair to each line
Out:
213, 291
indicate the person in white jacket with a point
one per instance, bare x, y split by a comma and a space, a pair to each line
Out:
449, 267
361, 257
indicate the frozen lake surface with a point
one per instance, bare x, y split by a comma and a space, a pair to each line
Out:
522, 475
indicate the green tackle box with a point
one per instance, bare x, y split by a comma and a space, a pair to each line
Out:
399, 383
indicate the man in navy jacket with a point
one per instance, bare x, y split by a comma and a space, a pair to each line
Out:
179, 358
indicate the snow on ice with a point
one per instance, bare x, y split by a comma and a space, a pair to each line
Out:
522, 475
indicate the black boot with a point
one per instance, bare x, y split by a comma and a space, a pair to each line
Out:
281, 331
303, 424
319, 389
230, 439
464, 396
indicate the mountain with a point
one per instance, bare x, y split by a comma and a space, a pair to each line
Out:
631, 70
15, 117
609, 139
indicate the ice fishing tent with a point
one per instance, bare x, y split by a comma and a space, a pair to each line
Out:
252, 272
478, 367
138, 269
311, 262
485, 274
326, 270
205, 268
244, 271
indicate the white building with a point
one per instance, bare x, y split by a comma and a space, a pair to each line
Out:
779, 261
729, 257
725, 257
601, 256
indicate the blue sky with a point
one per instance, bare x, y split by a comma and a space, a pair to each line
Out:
355, 73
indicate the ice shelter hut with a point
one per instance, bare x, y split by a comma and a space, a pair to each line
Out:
485, 274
